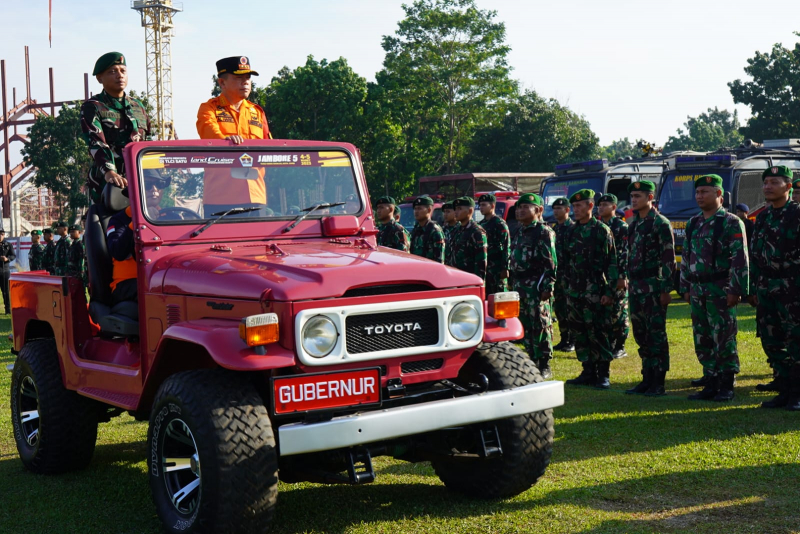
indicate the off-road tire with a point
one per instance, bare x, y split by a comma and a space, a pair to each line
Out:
526, 440
228, 426
66, 432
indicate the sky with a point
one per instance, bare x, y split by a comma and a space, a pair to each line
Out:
632, 69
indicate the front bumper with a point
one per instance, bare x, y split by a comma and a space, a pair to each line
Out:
380, 425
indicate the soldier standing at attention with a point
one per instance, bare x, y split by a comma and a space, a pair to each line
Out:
775, 285
714, 276
651, 262
36, 255
76, 252
450, 224
7, 255
561, 228
498, 240
533, 262
109, 121
49, 259
427, 239
468, 250
390, 233
590, 264
607, 207
61, 252
796, 191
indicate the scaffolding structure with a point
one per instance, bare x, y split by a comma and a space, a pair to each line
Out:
158, 30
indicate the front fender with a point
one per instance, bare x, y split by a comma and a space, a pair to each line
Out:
494, 333
220, 338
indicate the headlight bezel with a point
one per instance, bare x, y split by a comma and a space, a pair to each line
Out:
312, 322
457, 308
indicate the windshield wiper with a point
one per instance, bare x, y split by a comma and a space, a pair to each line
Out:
309, 211
222, 214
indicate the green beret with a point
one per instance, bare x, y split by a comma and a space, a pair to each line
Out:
106, 61
468, 202
397, 211
561, 201
608, 197
36, 232
447, 206
487, 197
386, 200
711, 180
796, 184
645, 186
76, 228
527, 198
423, 201
61, 224
583, 194
47, 231
781, 171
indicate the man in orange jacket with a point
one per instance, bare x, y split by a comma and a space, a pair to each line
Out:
231, 116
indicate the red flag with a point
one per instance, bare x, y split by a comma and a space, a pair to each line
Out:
50, 23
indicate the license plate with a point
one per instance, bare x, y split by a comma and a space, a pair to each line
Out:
323, 391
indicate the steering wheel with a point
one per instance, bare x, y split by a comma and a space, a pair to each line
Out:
177, 213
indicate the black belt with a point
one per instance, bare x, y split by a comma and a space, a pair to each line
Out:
702, 278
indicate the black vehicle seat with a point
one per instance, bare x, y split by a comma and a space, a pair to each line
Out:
122, 319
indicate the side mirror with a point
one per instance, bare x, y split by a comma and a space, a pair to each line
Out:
727, 200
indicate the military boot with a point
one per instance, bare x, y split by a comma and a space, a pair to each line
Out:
782, 399
587, 376
619, 349
567, 344
544, 368
700, 382
657, 387
793, 403
644, 385
603, 373
769, 386
708, 392
726, 384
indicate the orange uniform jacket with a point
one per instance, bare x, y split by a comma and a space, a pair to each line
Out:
217, 119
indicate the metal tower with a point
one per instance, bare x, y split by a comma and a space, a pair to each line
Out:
158, 29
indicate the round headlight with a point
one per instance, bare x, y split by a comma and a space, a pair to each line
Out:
319, 336
464, 321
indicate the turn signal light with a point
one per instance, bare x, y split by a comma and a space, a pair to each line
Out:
504, 305
259, 330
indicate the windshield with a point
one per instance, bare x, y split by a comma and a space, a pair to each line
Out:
499, 210
677, 195
408, 221
190, 186
567, 187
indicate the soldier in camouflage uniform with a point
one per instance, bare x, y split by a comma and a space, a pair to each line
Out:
110, 120
606, 208
390, 233
651, 263
533, 262
775, 285
61, 252
7, 256
590, 272
498, 240
76, 255
450, 225
561, 228
49, 259
714, 276
36, 255
427, 238
796, 191
468, 247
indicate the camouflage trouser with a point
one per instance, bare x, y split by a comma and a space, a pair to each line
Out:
589, 321
619, 317
649, 320
779, 325
494, 284
535, 315
560, 311
714, 327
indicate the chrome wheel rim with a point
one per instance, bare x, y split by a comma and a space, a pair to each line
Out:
180, 466
28, 400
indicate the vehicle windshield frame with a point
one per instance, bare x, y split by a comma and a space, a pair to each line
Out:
601, 176
687, 211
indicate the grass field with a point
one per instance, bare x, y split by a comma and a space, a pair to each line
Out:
620, 464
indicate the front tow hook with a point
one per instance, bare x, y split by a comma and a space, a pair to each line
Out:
481, 387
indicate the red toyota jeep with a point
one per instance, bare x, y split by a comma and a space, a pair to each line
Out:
269, 344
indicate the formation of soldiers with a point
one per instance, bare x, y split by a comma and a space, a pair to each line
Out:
65, 257
602, 277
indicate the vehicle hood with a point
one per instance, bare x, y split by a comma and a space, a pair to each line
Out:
299, 271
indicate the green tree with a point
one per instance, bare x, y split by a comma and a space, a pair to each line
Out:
535, 135
61, 158
708, 131
445, 74
621, 148
771, 94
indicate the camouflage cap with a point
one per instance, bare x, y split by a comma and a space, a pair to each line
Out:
561, 201
710, 180
105, 61
608, 197
47, 231
61, 224
76, 228
779, 171
386, 200
235, 65
645, 186
447, 206
487, 197
36, 232
468, 202
583, 194
422, 201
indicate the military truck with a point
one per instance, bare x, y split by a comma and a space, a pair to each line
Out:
266, 346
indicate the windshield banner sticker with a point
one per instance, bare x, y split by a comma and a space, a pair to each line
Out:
154, 160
